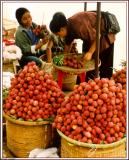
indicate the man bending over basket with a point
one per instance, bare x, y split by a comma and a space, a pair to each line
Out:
82, 26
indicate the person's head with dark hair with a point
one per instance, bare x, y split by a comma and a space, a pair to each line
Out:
58, 24
23, 17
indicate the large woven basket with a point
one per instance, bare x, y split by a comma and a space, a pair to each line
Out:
73, 149
89, 65
24, 136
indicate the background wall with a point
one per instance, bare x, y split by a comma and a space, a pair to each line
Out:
42, 12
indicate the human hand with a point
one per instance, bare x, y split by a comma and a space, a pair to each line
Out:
88, 56
38, 45
45, 40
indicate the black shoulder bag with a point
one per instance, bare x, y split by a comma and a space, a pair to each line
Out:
111, 23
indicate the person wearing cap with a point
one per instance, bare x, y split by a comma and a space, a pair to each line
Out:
82, 25
26, 39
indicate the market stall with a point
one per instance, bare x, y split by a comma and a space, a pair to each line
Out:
47, 115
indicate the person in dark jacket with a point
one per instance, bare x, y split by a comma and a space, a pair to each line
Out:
82, 26
26, 39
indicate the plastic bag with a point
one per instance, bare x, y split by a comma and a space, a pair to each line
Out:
47, 153
35, 152
7, 79
44, 153
11, 53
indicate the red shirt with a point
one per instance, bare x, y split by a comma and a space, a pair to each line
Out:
82, 26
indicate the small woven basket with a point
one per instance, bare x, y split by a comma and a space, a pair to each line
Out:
8, 67
24, 136
69, 80
73, 149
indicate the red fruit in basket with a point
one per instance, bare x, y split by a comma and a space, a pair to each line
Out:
109, 139
90, 101
92, 115
98, 117
77, 97
91, 109
12, 111
84, 139
87, 134
74, 127
102, 136
89, 141
121, 134
112, 131
98, 130
79, 107
95, 96
79, 121
100, 102
122, 129
110, 114
110, 124
117, 128
86, 113
35, 103
89, 129
7, 105
104, 115
104, 96
95, 140
105, 90
103, 109
90, 120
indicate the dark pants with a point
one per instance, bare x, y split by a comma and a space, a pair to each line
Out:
25, 59
106, 68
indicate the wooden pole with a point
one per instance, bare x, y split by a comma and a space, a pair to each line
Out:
97, 39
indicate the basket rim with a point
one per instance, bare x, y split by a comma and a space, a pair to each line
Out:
73, 70
82, 144
16, 121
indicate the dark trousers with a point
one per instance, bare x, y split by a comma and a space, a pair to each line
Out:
25, 59
106, 68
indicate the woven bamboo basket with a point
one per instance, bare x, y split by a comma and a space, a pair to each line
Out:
43, 57
73, 149
71, 73
69, 81
8, 67
89, 65
24, 136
